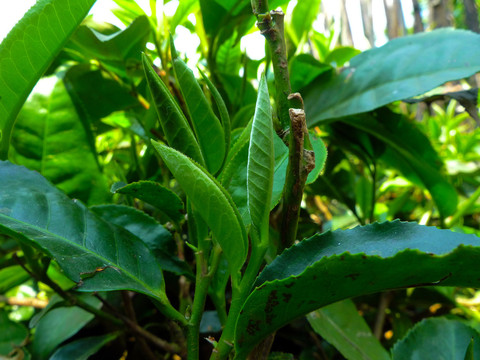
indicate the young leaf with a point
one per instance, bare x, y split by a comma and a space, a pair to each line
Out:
434, 338
214, 204
337, 265
222, 109
95, 254
403, 68
157, 195
28, 50
207, 127
342, 326
260, 166
175, 126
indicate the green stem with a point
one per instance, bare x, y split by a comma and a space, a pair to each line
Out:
463, 209
240, 293
203, 278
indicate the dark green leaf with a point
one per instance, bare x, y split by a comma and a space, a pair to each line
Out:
50, 138
304, 68
342, 326
175, 126
82, 349
157, 195
217, 208
411, 153
97, 255
437, 339
28, 50
206, 125
12, 276
154, 235
339, 56
337, 265
58, 325
260, 166
403, 68
469, 354
13, 335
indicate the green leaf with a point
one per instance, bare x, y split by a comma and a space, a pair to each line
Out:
341, 325
403, 68
411, 153
185, 8
304, 68
12, 276
13, 335
206, 125
28, 50
338, 265
95, 254
82, 349
320, 156
339, 56
58, 325
50, 138
217, 208
155, 236
115, 51
222, 109
260, 166
437, 339
303, 15
469, 354
157, 195
229, 56
175, 126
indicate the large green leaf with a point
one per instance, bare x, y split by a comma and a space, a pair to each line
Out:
437, 339
50, 138
261, 160
402, 68
337, 265
115, 51
82, 349
155, 236
213, 203
206, 125
343, 327
411, 153
95, 254
28, 50
58, 325
175, 126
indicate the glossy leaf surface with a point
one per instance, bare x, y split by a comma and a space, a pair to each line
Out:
337, 265
214, 203
175, 126
206, 125
437, 339
28, 50
58, 325
82, 349
403, 68
344, 328
95, 254
157, 195
260, 165
155, 236
51, 138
